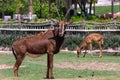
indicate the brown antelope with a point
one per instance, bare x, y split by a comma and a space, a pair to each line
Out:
48, 42
94, 37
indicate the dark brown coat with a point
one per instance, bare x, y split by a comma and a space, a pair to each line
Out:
48, 42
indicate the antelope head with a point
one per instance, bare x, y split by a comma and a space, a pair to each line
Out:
62, 24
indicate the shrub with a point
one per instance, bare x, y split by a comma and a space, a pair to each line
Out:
76, 18
111, 40
91, 17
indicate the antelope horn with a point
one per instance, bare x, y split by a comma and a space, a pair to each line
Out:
67, 13
57, 12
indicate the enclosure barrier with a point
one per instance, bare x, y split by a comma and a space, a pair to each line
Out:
83, 26
75, 32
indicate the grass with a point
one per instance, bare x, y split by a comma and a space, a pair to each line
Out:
35, 68
106, 9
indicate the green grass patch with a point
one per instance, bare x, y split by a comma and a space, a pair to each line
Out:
35, 68
106, 9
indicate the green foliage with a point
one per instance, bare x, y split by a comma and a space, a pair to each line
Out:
71, 42
76, 18
106, 9
16, 6
7, 40
91, 17
111, 40
36, 19
1, 20
45, 11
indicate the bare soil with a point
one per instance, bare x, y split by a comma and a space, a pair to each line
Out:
91, 66
5, 66
80, 66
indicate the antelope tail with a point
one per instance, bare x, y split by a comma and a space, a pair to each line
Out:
14, 53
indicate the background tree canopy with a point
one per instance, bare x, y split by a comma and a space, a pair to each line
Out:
47, 8
43, 8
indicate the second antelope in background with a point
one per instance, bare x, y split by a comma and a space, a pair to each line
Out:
94, 37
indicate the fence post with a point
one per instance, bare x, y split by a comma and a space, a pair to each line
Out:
115, 24
51, 24
19, 21
83, 23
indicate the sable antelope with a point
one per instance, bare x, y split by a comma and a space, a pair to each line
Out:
94, 37
48, 42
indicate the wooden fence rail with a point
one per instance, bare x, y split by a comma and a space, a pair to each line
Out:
11, 32
76, 27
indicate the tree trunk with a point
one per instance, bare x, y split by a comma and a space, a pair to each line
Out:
94, 8
75, 10
82, 6
49, 6
90, 8
30, 9
19, 21
40, 8
2, 9
68, 7
112, 8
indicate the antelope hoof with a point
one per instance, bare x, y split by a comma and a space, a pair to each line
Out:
49, 78
52, 78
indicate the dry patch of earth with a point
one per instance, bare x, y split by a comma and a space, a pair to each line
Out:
80, 66
5, 66
91, 66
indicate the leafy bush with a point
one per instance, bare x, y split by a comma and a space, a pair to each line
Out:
7, 40
71, 42
45, 11
91, 17
110, 41
76, 18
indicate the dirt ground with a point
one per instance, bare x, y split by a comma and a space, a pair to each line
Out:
91, 66
80, 66
5, 66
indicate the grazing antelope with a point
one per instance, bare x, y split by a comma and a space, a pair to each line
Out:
94, 37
